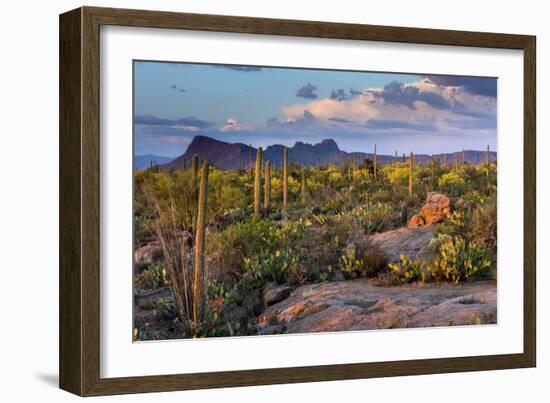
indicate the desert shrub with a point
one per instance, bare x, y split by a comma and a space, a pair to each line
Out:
229, 248
452, 183
460, 260
408, 270
362, 258
269, 266
483, 225
153, 277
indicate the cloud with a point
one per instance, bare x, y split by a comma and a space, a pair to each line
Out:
306, 121
341, 95
396, 93
174, 87
380, 124
245, 69
473, 124
484, 86
341, 120
307, 92
190, 123
233, 125
182, 89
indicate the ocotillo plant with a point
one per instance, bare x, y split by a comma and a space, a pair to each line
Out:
411, 167
194, 187
267, 185
257, 182
303, 185
199, 274
285, 177
374, 162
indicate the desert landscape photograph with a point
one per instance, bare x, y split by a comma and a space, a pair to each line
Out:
275, 200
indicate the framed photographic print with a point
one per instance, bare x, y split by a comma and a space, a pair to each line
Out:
250, 201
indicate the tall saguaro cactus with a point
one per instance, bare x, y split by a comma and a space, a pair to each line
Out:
250, 159
374, 163
199, 274
487, 162
411, 168
285, 177
267, 185
194, 187
395, 158
404, 159
257, 182
303, 185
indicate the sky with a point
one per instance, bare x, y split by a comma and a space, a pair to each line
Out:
424, 114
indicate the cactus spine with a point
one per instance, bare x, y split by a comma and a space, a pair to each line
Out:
374, 162
267, 185
257, 182
411, 168
303, 185
285, 177
194, 187
199, 269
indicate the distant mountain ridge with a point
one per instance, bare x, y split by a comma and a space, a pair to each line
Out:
225, 155
144, 161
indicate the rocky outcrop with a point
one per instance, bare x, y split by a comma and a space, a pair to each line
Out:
436, 208
145, 256
362, 305
415, 221
275, 293
411, 242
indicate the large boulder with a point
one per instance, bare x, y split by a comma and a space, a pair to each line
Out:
436, 208
275, 293
145, 256
415, 221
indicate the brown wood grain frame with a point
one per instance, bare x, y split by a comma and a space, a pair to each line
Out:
79, 86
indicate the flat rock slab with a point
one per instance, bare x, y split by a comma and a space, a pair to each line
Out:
362, 305
412, 242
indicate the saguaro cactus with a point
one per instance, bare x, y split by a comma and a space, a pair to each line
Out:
463, 157
374, 162
487, 162
404, 159
184, 164
395, 158
285, 177
240, 159
194, 187
411, 168
199, 274
267, 185
250, 159
303, 185
257, 182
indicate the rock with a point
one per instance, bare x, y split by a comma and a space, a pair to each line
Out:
415, 221
275, 293
146, 255
363, 305
413, 242
338, 276
436, 208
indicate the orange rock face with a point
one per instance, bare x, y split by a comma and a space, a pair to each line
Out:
415, 221
437, 207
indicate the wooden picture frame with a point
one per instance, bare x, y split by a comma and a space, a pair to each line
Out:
79, 200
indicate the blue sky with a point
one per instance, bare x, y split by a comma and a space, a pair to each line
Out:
173, 102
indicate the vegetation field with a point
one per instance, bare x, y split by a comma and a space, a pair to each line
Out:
215, 249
